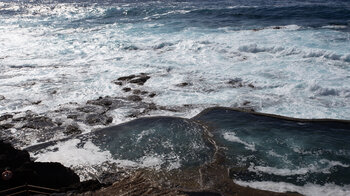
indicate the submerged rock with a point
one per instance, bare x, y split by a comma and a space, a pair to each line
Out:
239, 83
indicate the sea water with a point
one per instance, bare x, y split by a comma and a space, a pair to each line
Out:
289, 58
296, 54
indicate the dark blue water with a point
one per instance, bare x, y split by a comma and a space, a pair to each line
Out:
206, 14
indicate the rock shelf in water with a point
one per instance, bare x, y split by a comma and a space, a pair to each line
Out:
220, 145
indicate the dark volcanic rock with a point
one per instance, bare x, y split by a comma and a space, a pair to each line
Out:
126, 78
237, 82
102, 101
152, 95
183, 84
118, 82
134, 98
72, 130
38, 122
2, 97
140, 80
126, 89
277, 27
98, 119
11, 157
51, 175
136, 92
36, 102
5, 117
6, 126
144, 92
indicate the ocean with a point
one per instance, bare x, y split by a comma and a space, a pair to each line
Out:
62, 64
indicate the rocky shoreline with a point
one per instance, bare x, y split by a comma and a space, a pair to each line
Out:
73, 119
28, 127
205, 180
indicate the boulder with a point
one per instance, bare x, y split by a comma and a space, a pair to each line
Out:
140, 80
25, 171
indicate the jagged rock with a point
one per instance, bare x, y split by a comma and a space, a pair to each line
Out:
126, 89
98, 119
36, 102
38, 122
136, 79
5, 117
102, 101
126, 78
140, 80
143, 92
183, 84
277, 27
237, 82
151, 95
91, 108
6, 126
11, 157
134, 98
51, 175
72, 130
136, 92
117, 83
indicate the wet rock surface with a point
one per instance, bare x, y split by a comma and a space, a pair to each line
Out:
139, 79
183, 84
72, 130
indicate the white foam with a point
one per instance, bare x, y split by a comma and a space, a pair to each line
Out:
334, 27
231, 136
307, 190
70, 155
323, 166
88, 156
